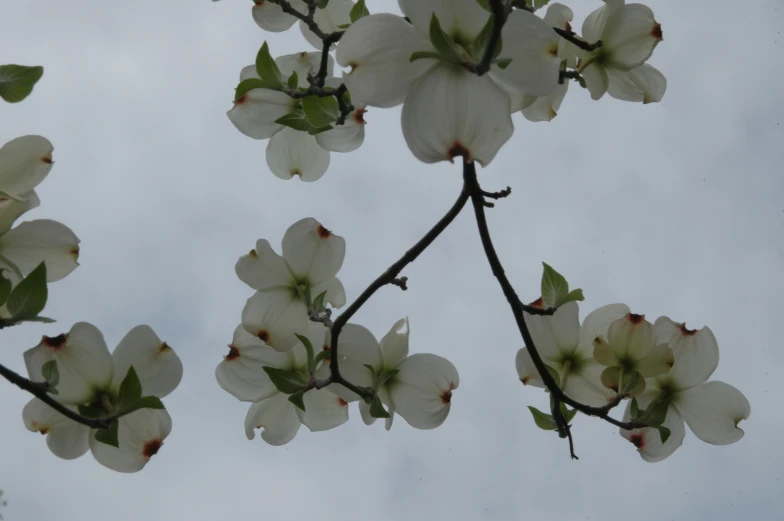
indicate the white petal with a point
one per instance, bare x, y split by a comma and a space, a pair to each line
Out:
241, 372
713, 411
450, 112
255, 113
141, 436
696, 352
336, 14
558, 15
347, 137
24, 163
586, 386
364, 411
630, 36
291, 152
526, 370
658, 362
631, 337
358, 344
422, 390
323, 410
263, 269
378, 48
463, 20
648, 440
644, 83
545, 108
532, 45
594, 23
394, 345
596, 80
65, 438
271, 17
556, 335
83, 363
276, 416
336, 293
276, 317
156, 364
33, 242
11, 209
596, 324
303, 63
312, 251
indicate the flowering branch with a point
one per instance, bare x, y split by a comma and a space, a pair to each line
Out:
317, 80
41, 391
499, 19
518, 308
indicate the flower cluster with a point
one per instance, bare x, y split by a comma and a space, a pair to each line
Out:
661, 369
280, 358
457, 71
24, 164
125, 386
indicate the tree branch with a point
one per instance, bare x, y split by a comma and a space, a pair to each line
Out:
571, 36
41, 391
390, 276
518, 309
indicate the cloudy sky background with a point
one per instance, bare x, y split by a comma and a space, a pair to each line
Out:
676, 209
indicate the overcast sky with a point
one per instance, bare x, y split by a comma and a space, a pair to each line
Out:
674, 208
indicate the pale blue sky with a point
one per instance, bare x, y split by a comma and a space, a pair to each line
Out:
675, 209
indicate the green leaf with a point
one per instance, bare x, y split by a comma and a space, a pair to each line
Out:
318, 302
635, 409
377, 408
503, 63
51, 374
293, 81
28, 298
322, 4
425, 55
309, 349
44, 320
321, 356
536, 4
372, 371
17, 81
147, 402
286, 381
554, 287
448, 49
109, 436
321, 112
249, 84
664, 433
656, 412
575, 295
542, 420
5, 288
267, 69
130, 390
93, 410
298, 121
298, 399
358, 11
567, 413
483, 40
484, 5
632, 382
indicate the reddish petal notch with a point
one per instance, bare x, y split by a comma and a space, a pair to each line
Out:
686, 331
324, 233
635, 319
55, 342
151, 448
457, 149
234, 353
657, 33
638, 440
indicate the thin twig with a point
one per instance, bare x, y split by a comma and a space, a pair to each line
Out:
388, 277
572, 37
499, 15
518, 309
41, 391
